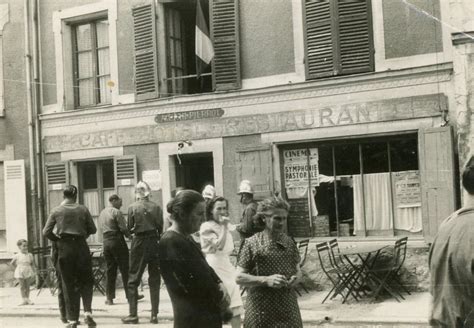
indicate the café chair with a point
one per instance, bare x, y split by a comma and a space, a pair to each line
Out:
303, 250
388, 275
341, 278
98, 269
46, 270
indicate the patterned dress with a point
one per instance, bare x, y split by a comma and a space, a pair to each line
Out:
265, 306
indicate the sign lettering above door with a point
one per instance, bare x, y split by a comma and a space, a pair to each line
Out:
190, 115
179, 127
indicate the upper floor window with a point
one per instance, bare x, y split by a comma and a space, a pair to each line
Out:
177, 73
181, 51
338, 37
91, 63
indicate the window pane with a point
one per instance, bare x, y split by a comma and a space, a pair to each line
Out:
102, 33
89, 176
103, 57
105, 91
375, 157
347, 167
83, 37
324, 196
86, 92
108, 175
404, 154
84, 65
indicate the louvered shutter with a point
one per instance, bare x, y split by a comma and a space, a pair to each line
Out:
145, 52
15, 203
355, 36
319, 39
225, 36
338, 37
57, 178
255, 164
437, 178
125, 172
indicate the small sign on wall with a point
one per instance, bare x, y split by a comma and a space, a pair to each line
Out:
125, 182
153, 178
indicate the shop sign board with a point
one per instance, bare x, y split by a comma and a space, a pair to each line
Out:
194, 125
407, 188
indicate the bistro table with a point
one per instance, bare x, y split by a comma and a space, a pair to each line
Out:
368, 255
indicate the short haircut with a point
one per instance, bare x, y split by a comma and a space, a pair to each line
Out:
113, 198
272, 203
210, 206
21, 241
70, 192
468, 176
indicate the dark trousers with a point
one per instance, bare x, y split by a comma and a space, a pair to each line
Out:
143, 252
61, 302
75, 269
116, 256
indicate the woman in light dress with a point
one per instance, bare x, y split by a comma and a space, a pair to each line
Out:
217, 244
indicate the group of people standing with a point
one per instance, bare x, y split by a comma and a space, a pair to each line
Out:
202, 282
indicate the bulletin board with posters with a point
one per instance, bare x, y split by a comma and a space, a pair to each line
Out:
300, 170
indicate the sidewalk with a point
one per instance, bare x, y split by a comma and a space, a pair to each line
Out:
413, 311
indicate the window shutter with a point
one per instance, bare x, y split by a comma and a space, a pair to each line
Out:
57, 178
437, 178
125, 172
355, 36
15, 203
319, 38
225, 36
255, 164
145, 49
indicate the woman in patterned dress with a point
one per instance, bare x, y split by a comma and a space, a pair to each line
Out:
269, 267
217, 244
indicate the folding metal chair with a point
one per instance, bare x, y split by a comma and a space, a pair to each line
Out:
341, 279
386, 275
303, 250
46, 270
98, 271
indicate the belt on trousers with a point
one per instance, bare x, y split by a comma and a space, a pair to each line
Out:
149, 233
67, 236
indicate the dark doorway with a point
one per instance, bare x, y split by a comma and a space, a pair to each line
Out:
194, 171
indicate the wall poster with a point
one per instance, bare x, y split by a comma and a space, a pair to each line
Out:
407, 188
297, 170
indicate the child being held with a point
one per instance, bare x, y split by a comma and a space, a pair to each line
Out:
25, 270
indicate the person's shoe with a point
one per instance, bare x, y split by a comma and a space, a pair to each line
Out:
71, 325
130, 320
29, 302
154, 319
140, 297
89, 321
63, 320
109, 302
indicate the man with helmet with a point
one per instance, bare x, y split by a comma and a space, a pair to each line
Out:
249, 225
68, 226
145, 223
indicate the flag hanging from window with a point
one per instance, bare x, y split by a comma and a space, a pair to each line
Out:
204, 48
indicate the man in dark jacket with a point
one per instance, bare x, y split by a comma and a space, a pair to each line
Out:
145, 222
451, 261
72, 224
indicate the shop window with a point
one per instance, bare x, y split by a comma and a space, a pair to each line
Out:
91, 63
338, 37
358, 190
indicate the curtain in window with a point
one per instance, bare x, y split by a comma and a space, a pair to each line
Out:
378, 202
91, 201
103, 61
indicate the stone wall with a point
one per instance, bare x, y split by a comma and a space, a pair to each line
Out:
414, 274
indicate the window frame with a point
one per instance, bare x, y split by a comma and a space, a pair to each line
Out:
62, 21
359, 142
95, 62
